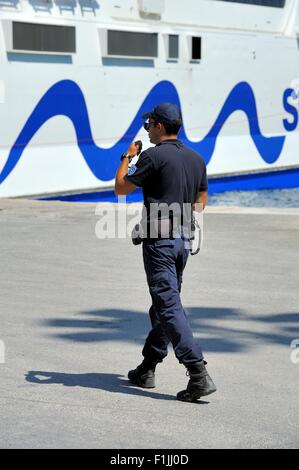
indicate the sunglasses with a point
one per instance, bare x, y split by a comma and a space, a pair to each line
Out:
147, 125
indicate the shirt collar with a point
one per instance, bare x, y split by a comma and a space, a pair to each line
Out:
176, 142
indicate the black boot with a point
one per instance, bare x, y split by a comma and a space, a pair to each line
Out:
199, 385
144, 374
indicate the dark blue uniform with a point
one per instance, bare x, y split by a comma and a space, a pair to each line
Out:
168, 173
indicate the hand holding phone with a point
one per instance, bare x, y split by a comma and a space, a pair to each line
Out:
135, 148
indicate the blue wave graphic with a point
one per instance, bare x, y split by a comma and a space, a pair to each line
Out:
66, 98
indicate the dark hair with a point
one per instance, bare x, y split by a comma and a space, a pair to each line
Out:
171, 128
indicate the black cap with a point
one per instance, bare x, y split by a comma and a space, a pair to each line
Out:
165, 112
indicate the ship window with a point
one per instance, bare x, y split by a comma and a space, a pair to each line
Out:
44, 38
173, 46
264, 3
196, 48
132, 44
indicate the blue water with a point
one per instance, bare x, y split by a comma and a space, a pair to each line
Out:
260, 198
237, 190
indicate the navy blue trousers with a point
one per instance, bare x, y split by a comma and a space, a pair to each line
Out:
164, 263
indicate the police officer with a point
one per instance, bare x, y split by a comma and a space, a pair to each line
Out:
168, 173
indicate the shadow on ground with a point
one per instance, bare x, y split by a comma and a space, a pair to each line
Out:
222, 330
109, 382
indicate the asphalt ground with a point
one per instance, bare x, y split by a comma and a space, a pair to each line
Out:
74, 316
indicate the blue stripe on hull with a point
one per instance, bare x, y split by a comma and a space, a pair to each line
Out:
280, 179
66, 98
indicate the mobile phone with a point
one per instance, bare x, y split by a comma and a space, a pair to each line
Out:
138, 143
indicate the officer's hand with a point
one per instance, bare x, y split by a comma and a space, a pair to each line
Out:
135, 148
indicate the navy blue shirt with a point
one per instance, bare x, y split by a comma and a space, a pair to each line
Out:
169, 172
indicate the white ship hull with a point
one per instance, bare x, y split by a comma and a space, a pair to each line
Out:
66, 118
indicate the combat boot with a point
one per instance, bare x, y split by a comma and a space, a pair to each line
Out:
144, 374
199, 385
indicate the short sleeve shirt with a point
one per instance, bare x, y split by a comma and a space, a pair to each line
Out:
169, 173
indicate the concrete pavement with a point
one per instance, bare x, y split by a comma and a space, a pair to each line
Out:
73, 317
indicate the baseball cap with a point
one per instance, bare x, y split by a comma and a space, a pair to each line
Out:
164, 112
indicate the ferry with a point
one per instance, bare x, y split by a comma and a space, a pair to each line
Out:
77, 75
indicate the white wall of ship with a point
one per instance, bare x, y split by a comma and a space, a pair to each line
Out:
52, 161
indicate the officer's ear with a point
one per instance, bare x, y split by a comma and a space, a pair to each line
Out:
160, 127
